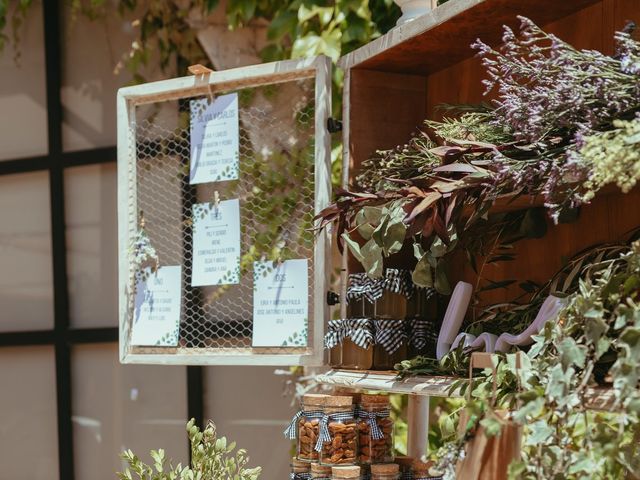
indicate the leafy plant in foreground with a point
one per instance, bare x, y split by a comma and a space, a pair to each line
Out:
212, 458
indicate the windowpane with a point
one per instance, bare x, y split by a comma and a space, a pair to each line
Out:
92, 245
26, 286
28, 425
23, 101
116, 407
251, 419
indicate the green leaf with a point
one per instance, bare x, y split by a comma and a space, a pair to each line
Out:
354, 247
571, 353
539, 432
284, 23
594, 328
441, 283
421, 275
372, 259
492, 426
394, 236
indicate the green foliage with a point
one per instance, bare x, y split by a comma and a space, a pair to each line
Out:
597, 337
612, 157
212, 458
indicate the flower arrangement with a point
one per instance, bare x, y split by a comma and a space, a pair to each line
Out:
561, 119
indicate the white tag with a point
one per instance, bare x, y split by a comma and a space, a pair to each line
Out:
280, 304
215, 145
156, 317
216, 244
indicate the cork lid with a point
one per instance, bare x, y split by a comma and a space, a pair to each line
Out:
421, 467
385, 468
338, 401
345, 472
323, 470
347, 392
317, 399
377, 400
298, 466
404, 461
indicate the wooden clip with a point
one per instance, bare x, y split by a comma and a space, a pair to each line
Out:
216, 199
198, 69
141, 220
204, 72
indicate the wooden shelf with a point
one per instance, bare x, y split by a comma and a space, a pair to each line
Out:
598, 398
388, 382
442, 37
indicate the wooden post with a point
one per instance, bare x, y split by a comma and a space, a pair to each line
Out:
418, 426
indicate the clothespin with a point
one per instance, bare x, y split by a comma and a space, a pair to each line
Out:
141, 220
204, 72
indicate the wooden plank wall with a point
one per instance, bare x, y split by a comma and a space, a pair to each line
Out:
606, 219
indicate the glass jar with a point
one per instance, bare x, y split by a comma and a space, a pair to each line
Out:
390, 343
308, 426
390, 305
422, 313
365, 471
375, 430
299, 470
339, 430
385, 471
320, 472
356, 397
405, 463
345, 473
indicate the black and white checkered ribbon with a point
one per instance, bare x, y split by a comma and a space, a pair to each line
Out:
390, 334
439, 477
337, 330
421, 331
291, 432
406, 475
370, 417
360, 285
325, 436
394, 280
300, 476
359, 330
398, 281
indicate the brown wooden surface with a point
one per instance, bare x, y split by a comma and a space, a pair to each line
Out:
381, 116
445, 43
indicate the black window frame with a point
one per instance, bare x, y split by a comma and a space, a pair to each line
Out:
63, 336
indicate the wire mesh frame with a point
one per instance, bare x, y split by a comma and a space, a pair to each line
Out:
129, 98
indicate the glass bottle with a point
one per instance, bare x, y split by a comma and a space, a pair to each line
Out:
345, 473
341, 427
374, 409
299, 470
385, 471
405, 463
423, 308
320, 472
308, 426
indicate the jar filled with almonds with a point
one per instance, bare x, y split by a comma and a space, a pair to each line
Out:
345, 473
375, 430
338, 443
299, 470
308, 426
385, 471
320, 472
